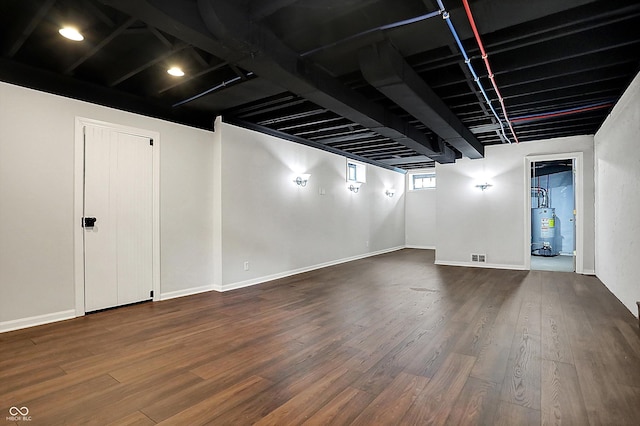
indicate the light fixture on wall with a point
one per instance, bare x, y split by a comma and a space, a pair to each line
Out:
302, 179
354, 187
390, 192
484, 186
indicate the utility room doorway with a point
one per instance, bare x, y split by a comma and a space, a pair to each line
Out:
553, 216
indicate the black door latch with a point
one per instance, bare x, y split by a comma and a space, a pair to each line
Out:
88, 222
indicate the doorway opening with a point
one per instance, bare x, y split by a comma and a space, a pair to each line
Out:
553, 215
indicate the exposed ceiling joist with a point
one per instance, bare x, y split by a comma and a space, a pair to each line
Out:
268, 57
180, 19
405, 160
307, 142
292, 66
385, 69
100, 45
35, 20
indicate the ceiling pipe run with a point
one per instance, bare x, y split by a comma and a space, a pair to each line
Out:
467, 60
386, 70
486, 63
560, 113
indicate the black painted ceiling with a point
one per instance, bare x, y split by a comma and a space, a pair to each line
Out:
383, 81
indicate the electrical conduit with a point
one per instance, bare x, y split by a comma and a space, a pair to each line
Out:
467, 61
485, 57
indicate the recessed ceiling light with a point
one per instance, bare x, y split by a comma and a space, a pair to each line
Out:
175, 71
71, 34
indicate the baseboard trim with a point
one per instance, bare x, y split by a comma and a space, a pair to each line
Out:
260, 280
421, 247
481, 265
588, 272
36, 320
186, 292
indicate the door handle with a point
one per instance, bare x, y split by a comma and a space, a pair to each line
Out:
88, 222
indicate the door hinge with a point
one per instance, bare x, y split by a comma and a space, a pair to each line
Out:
151, 142
151, 293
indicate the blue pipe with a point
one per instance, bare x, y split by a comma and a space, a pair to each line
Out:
211, 90
372, 30
426, 16
446, 17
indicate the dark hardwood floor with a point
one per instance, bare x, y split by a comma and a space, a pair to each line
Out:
391, 339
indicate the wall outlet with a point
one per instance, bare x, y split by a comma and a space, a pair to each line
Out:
366, 243
246, 265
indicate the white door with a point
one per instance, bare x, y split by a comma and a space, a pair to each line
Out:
118, 194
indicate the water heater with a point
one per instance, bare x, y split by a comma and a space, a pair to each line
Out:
543, 232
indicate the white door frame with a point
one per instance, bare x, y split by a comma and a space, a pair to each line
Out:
78, 201
577, 158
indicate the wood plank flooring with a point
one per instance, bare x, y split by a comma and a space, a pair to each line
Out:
386, 340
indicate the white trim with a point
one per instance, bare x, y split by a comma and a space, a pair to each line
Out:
420, 247
187, 292
579, 206
481, 265
260, 280
78, 244
37, 320
588, 272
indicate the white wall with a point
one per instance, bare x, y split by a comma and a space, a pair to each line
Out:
492, 222
226, 197
420, 229
617, 153
36, 202
281, 228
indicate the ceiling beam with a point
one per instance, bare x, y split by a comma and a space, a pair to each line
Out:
37, 17
179, 46
307, 142
385, 69
405, 160
264, 9
100, 45
181, 19
269, 58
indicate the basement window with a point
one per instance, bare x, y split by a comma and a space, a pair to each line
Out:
422, 181
356, 172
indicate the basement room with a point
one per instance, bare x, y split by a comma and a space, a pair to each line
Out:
345, 212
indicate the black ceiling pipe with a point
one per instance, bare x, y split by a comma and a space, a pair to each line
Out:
386, 70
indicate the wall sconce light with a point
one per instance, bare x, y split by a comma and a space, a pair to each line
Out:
354, 187
302, 179
484, 186
390, 192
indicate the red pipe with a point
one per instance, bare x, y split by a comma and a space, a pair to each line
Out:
486, 62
